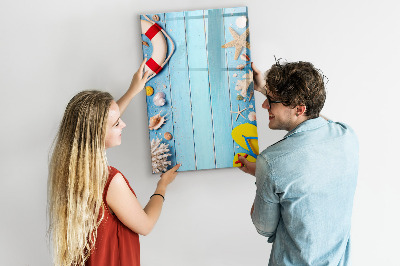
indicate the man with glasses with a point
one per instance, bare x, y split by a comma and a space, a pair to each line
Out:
306, 181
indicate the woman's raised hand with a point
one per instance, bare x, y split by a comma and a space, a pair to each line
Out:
169, 176
139, 79
137, 84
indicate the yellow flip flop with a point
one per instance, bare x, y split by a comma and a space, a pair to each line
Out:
245, 135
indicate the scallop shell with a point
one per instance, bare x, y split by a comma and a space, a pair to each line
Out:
156, 121
252, 116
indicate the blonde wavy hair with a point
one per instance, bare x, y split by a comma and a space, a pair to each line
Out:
78, 171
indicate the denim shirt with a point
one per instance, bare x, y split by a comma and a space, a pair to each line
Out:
305, 189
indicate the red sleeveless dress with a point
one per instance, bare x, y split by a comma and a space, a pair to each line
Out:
116, 244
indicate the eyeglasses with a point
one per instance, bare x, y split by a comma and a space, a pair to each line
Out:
270, 101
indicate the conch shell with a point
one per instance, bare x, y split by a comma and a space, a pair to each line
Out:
156, 121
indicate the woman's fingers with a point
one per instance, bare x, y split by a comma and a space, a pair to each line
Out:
141, 68
146, 75
169, 176
175, 168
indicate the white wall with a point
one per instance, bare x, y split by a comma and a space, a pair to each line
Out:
49, 50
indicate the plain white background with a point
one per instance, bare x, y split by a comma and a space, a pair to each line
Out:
50, 50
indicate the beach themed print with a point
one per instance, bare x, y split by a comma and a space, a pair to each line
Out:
200, 96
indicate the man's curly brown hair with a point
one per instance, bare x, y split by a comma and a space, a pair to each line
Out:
297, 83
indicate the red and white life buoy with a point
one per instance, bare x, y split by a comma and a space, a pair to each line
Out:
157, 60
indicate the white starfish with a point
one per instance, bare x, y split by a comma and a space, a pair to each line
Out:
239, 112
239, 41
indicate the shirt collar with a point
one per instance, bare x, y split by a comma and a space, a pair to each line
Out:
307, 125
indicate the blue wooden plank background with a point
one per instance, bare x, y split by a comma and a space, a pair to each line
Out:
180, 93
219, 89
199, 83
200, 90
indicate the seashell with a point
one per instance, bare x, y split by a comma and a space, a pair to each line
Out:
234, 75
167, 136
145, 43
240, 67
156, 121
244, 57
149, 91
156, 18
159, 98
241, 22
251, 95
239, 97
252, 116
159, 95
158, 101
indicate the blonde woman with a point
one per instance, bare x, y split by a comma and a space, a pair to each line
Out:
95, 217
